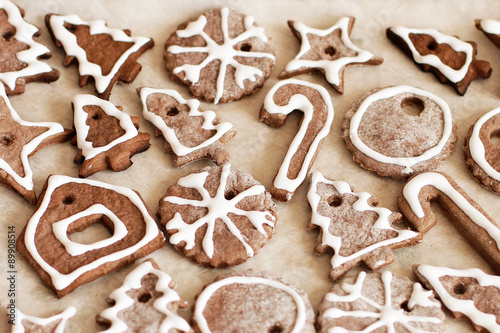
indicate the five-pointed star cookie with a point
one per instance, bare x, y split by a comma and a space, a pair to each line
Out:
56, 323
20, 139
327, 51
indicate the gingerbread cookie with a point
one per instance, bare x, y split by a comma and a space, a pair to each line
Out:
327, 51
106, 137
354, 227
221, 56
491, 29
190, 133
482, 156
19, 140
145, 302
31, 324
466, 215
21, 53
380, 302
218, 217
467, 293
450, 59
252, 302
68, 205
384, 138
107, 55
315, 102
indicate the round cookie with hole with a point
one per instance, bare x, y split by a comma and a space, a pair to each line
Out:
399, 131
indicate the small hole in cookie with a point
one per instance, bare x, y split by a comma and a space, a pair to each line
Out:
276, 328
6, 139
172, 112
229, 195
432, 46
459, 289
246, 47
330, 50
335, 201
495, 138
8, 35
68, 200
412, 106
144, 298
95, 116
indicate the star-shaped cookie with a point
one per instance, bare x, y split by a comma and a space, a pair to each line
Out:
327, 51
20, 139
55, 324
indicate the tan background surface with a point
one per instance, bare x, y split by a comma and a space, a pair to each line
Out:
257, 148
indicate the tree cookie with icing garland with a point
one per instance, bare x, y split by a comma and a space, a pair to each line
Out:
450, 59
327, 51
482, 156
21, 53
218, 217
380, 302
468, 293
354, 227
106, 137
67, 207
221, 56
252, 302
399, 131
104, 54
146, 302
189, 132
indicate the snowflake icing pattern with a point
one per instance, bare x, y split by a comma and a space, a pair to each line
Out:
225, 52
218, 208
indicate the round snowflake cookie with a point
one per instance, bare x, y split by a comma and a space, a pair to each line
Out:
374, 301
218, 217
221, 56
252, 302
399, 131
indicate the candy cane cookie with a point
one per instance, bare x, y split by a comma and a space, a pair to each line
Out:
70, 205
314, 101
464, 213
482, 156
383, 137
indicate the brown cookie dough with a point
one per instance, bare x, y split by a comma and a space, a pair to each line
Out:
482, 156
450, 59
70, 205
218, 217
106, 55
189, 132
354, 227
252, 302
106, 137
328, 51
384, 138
221, 56
380, 302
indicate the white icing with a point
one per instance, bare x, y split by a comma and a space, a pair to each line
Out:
454, 75
490, 26
412, 190
477, 150
25, 33
209, 290
422, 297
60, 280
82, 129
169, 133
406, 162
360, 205
467, 307
302, 103
384, 315
63, 317
30, 147
71, 47
123, 300
225, 52
219, 208
60, 229
331, 68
